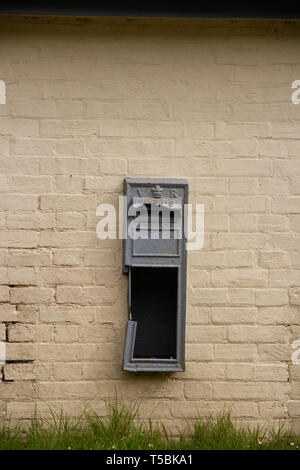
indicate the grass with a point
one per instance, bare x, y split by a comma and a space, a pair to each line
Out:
121, 431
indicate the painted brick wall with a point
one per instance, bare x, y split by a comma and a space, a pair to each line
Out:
90, 101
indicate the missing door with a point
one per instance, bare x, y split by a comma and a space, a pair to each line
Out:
154, 308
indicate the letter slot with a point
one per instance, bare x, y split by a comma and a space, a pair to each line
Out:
154, 258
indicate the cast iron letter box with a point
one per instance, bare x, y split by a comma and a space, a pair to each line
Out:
154, 257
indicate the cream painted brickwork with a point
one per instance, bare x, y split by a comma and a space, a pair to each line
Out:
91, 101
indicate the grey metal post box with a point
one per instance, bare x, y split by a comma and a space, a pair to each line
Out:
154, 257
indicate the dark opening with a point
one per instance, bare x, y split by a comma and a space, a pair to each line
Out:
154, 308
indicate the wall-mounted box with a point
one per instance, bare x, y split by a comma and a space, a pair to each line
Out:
154, 258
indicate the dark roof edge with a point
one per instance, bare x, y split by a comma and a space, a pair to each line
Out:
290, 10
